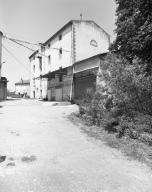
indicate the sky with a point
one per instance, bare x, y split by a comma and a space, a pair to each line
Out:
37, 20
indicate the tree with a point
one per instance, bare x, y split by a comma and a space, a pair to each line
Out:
134, 30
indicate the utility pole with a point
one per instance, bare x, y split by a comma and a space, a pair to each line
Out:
1, 35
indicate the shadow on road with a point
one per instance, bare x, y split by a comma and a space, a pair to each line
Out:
13, 99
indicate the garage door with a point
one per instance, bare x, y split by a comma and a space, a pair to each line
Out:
84, 85
58, 94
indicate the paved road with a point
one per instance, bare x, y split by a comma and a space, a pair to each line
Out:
47, 153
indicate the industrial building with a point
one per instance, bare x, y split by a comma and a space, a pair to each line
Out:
62, 68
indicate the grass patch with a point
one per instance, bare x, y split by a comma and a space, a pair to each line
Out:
134, 149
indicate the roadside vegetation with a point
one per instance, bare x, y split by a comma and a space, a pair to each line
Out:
120, 111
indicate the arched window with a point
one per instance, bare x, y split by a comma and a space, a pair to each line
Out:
93, 43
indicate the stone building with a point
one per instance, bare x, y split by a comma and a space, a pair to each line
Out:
53, 65
22, 87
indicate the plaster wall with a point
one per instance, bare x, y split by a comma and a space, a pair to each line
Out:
90, 40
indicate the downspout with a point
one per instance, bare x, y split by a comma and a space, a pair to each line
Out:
72, 82
73, 60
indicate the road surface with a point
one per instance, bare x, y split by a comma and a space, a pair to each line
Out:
45, 152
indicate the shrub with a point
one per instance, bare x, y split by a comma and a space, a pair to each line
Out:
122, 103
146, 138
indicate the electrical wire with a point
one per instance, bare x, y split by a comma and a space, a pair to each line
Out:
36, 44
15, 58
22, 45
19, 42
26, 42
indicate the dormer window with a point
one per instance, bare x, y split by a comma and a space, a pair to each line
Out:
60, 37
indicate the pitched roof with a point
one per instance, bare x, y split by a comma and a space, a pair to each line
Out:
66, 25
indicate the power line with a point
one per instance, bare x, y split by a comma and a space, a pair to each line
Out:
15, 58
21, 45
36, 44
14, 41
22, 41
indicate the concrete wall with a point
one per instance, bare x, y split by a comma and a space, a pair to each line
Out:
38, 87
60, 90
59, 60
51, 52
34, 83
90, 40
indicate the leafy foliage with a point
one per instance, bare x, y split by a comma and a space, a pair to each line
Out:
134, 30
122, 103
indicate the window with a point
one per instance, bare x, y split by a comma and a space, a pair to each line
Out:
49, 45
60, 37
49, 59
34, 68
40, 63
42, 48
93, 43
60, 78
60, 52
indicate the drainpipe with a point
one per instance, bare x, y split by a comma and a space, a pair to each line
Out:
73, 55
72, 81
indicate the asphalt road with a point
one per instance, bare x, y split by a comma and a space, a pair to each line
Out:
45, 152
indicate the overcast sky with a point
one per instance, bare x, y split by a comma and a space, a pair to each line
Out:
37, 20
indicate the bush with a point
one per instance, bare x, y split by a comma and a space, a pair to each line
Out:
122, 103
146, 138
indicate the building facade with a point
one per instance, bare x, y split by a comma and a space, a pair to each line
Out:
22, 88
52, 66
